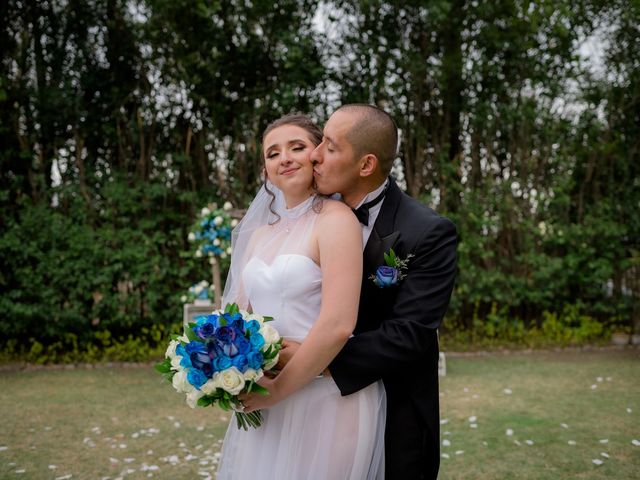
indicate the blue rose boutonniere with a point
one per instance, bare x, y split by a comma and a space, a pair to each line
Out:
390, 274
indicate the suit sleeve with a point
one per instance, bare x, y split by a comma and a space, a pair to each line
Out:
400, 340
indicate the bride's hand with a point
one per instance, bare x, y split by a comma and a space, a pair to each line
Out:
289, 348
258, 401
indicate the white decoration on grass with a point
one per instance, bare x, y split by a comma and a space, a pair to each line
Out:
446, 443
472, 419
635, 442
507, 391
509, 432
473, 425
604, 454
571, 442
604, 440
594, 386
445, 455
459, 452
597, 461
564, 425
529, 442
444, 421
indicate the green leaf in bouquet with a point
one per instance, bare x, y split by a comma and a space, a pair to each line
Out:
231, 308
267, 319
164, 366
191, 335
259, 389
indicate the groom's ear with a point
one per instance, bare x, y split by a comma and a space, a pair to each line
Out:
368, 165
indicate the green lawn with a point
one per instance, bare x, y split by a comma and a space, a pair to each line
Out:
125, 422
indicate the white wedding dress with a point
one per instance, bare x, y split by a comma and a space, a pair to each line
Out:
314, 434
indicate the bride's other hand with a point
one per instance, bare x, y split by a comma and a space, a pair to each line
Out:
289, 348
258, 401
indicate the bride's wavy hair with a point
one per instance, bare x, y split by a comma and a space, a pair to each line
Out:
315, 135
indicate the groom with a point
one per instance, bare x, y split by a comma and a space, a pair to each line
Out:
396, 334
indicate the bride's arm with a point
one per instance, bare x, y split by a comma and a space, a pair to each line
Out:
340, 246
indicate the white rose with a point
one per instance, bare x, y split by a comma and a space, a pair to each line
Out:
252, 316
171, 349
229, 250
175, 363
183, 299
217, 221
252, 374
205, 211
234, 223
230, 380
223, 255
198, 253
193, 397
272, 363
270, 335
183, 338
209, 387
180, 382
216, 242
192, 237
227, 206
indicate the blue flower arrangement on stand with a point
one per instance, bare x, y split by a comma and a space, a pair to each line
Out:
212, 235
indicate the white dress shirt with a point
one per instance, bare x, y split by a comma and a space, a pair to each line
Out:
373, 212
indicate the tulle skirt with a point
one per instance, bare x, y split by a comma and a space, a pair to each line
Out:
315, 434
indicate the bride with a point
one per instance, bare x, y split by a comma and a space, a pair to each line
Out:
298, 258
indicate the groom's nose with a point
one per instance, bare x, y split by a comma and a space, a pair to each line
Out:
316, 156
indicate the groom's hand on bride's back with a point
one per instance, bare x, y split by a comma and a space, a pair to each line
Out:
289, 348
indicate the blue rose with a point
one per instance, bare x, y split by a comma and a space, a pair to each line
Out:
242, 344
205, 331
257, 341
221, 363
225, 334
196, 378
386, 276
195, 347
229, 349
202, 362
252, 326
255, 360
241, 363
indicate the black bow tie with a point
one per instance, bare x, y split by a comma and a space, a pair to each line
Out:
362, 212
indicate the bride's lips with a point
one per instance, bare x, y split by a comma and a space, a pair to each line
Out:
289, 171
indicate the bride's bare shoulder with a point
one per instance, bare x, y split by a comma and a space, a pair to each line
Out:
333, 207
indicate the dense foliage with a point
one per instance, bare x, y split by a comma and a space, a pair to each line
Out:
121, 119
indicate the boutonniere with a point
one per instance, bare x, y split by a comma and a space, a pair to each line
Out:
391, 273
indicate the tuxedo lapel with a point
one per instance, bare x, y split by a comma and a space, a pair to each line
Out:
383, 236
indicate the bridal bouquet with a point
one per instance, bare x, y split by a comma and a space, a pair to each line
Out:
220, 356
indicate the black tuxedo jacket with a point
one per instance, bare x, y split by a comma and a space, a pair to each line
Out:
396, 334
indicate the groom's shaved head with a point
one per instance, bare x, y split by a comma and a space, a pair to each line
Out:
374, 132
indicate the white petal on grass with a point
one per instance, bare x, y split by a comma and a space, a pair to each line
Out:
22, 470
529, 442
604, 454
135, 435
472, 419
444, 421
564, 425
445, 455
594, 386
114, 460
473, 425
571, 442
517, 442
599, 379
507, 391
475, 395
509, 432
459, 452
629, 410
123, 445
128, 460
446, 433
465, 389
3, 448
446, 443
609, 379
597, 461
199, 428
65, 477
176, 424
52, 467
635, 442
604, 440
